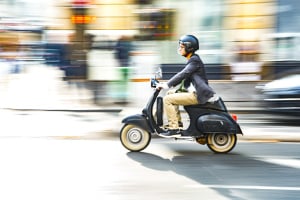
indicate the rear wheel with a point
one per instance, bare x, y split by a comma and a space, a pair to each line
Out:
221, 142
134, 138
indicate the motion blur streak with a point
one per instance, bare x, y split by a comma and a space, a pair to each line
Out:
99, 52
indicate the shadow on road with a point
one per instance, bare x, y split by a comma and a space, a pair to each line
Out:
234, 176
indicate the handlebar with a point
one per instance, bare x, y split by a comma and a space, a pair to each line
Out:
153, 82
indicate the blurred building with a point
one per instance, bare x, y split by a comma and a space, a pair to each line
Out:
255, 35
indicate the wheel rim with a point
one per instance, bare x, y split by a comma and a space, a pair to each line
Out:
134, 135
221, 143
221, 140
134, 138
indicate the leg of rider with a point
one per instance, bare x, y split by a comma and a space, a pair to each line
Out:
178, 115
171, 101
170, 111
176, 108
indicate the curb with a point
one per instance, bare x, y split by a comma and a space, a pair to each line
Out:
116, 110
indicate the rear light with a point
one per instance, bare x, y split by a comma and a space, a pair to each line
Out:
234, 116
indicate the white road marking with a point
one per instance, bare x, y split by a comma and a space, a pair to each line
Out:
294, 163
246, 187
284, 162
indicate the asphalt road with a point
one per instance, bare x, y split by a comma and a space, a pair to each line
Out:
68, 168
77, 155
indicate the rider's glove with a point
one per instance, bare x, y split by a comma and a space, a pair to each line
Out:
162, 86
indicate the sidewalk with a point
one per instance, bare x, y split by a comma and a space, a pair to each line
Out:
42, 88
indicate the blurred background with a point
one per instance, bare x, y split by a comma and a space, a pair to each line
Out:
103, 52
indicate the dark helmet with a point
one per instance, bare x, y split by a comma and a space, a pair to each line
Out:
190, 43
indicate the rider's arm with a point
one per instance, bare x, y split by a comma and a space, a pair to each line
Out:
191, 67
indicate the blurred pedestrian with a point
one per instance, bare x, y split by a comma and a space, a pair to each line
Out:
123, 50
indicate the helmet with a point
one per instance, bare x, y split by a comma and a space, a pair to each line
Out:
190, 43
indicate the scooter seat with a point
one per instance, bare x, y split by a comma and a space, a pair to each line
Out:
217, 105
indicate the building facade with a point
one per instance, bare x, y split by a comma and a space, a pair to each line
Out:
228, 31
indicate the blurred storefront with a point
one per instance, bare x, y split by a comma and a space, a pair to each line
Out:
20, 38
283, 45
240, 39
242, 42
245, 24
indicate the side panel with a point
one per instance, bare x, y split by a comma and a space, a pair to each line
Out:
138, 120
214, 123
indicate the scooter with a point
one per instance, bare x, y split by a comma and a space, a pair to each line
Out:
209, 124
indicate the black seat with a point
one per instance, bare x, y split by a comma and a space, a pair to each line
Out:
217, 105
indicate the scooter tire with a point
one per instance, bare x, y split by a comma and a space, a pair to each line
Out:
221, 142
134, 138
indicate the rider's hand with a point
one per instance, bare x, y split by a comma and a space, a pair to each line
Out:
162, 86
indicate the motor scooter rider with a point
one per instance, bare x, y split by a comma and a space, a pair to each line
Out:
194, 80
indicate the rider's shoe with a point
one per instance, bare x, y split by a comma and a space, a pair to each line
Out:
172, 133
180, 124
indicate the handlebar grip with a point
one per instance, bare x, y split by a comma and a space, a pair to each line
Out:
153, 82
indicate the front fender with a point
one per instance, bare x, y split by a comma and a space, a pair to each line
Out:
138, 120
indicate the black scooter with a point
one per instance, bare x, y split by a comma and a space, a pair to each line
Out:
210, 124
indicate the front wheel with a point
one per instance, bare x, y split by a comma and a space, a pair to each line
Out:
221, 142
134, 138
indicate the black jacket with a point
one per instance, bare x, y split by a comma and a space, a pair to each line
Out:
194, 72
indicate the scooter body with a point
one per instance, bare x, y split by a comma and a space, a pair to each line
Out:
209, 124
210, 118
